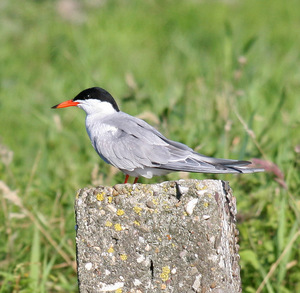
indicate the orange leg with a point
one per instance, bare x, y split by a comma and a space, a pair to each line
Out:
126, 179
135, 180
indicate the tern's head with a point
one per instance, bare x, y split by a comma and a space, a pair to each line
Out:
92, 100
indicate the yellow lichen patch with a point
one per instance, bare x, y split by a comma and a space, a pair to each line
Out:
119, 290
155, 201
110, 199
138, 210
209, 195
110, 250
165, 273
108, 224
137, 223
118, 227
206, 204
120, 212
100, 196
123, 257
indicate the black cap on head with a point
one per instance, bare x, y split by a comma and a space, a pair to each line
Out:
97, 93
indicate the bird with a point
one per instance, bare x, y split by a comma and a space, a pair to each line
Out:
138, 149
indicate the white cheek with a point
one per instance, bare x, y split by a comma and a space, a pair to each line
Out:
95, 106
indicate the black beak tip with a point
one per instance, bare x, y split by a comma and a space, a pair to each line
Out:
54, 107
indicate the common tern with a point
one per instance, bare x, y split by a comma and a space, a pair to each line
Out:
138, 149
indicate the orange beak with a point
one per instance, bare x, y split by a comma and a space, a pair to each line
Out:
65, 104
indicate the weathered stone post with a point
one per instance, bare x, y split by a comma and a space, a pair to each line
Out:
170, 237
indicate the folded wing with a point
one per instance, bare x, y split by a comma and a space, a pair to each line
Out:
136, 145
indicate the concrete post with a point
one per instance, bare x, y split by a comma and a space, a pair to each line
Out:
169, 237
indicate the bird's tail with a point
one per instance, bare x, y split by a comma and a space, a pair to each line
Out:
187, 160
202, 164
230, 166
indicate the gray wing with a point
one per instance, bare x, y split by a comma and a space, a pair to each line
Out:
136, 144
131, 145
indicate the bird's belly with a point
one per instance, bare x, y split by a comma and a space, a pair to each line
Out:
146, 172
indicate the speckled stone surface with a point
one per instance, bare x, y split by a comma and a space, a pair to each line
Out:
168, 237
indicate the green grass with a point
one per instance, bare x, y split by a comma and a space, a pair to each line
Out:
220, 76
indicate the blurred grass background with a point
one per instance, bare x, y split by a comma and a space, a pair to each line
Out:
220, 76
